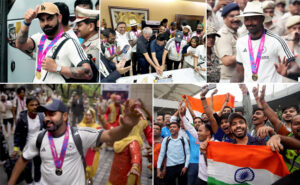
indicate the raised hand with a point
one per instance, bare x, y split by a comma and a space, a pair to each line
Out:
214, 92
204, 91
262, 93
255, 91
31, 14
181, 109
131, 115
282, 67
243, 88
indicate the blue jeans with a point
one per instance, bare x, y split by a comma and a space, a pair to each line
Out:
144, 65
192, 173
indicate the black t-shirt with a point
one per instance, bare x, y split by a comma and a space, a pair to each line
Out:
142, 46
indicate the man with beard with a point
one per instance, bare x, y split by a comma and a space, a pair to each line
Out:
173, 51
133, 36
86, 26
165, 131
30, 122
68, 168
291, 157
257, 52
287, 115
70, 62
109, 48
160, 120
225, 46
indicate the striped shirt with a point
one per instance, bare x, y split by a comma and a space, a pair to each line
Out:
71, 54
274, 46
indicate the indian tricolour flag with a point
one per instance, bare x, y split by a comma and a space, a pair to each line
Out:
243, 164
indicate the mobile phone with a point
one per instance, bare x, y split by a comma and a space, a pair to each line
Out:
124, 51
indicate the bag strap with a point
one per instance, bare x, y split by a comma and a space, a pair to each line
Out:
56, 52
183, 145
167, 143
40, 139
78, 143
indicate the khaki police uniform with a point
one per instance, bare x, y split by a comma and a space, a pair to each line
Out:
92, 45
226, 45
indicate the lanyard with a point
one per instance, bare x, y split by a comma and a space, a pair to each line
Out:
111, 51
41, 54
59, 160
187, 38
255, 64
22, 103
136, 33
177, 47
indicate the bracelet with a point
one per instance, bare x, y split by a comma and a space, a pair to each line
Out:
26, 24
203, 98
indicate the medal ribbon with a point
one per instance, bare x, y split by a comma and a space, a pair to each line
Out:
255, 65
22, 103
187, 38
136, 33
111, 51
177, 47
58, 161
41, 54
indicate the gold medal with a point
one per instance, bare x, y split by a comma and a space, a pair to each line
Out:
254, 77
178, 54
38, 74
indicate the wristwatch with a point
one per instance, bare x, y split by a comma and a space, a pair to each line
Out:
58, 69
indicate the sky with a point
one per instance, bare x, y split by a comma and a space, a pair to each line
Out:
235, 90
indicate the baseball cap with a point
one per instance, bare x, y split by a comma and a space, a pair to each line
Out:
178, 36
294, 1
235, 115
48, 8
53, 105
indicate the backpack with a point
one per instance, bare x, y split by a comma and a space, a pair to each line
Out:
72, 80
182, 142
76, 138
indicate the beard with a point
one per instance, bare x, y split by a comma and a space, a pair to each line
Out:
54, 127
240, 136
49, 30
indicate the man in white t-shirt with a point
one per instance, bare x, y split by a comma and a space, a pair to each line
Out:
173, 49
70, 62
19, 103
260, 69
7, 114
133, 36
68, 168
30, 122
123, 43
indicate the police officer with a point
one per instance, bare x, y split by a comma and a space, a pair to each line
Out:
86, 27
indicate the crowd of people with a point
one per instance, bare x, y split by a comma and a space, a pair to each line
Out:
39, 115
180, 143
165, 48
253, 41
66, 51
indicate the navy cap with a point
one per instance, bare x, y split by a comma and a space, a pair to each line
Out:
178, 36
229, 7
235, 115
53, 105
